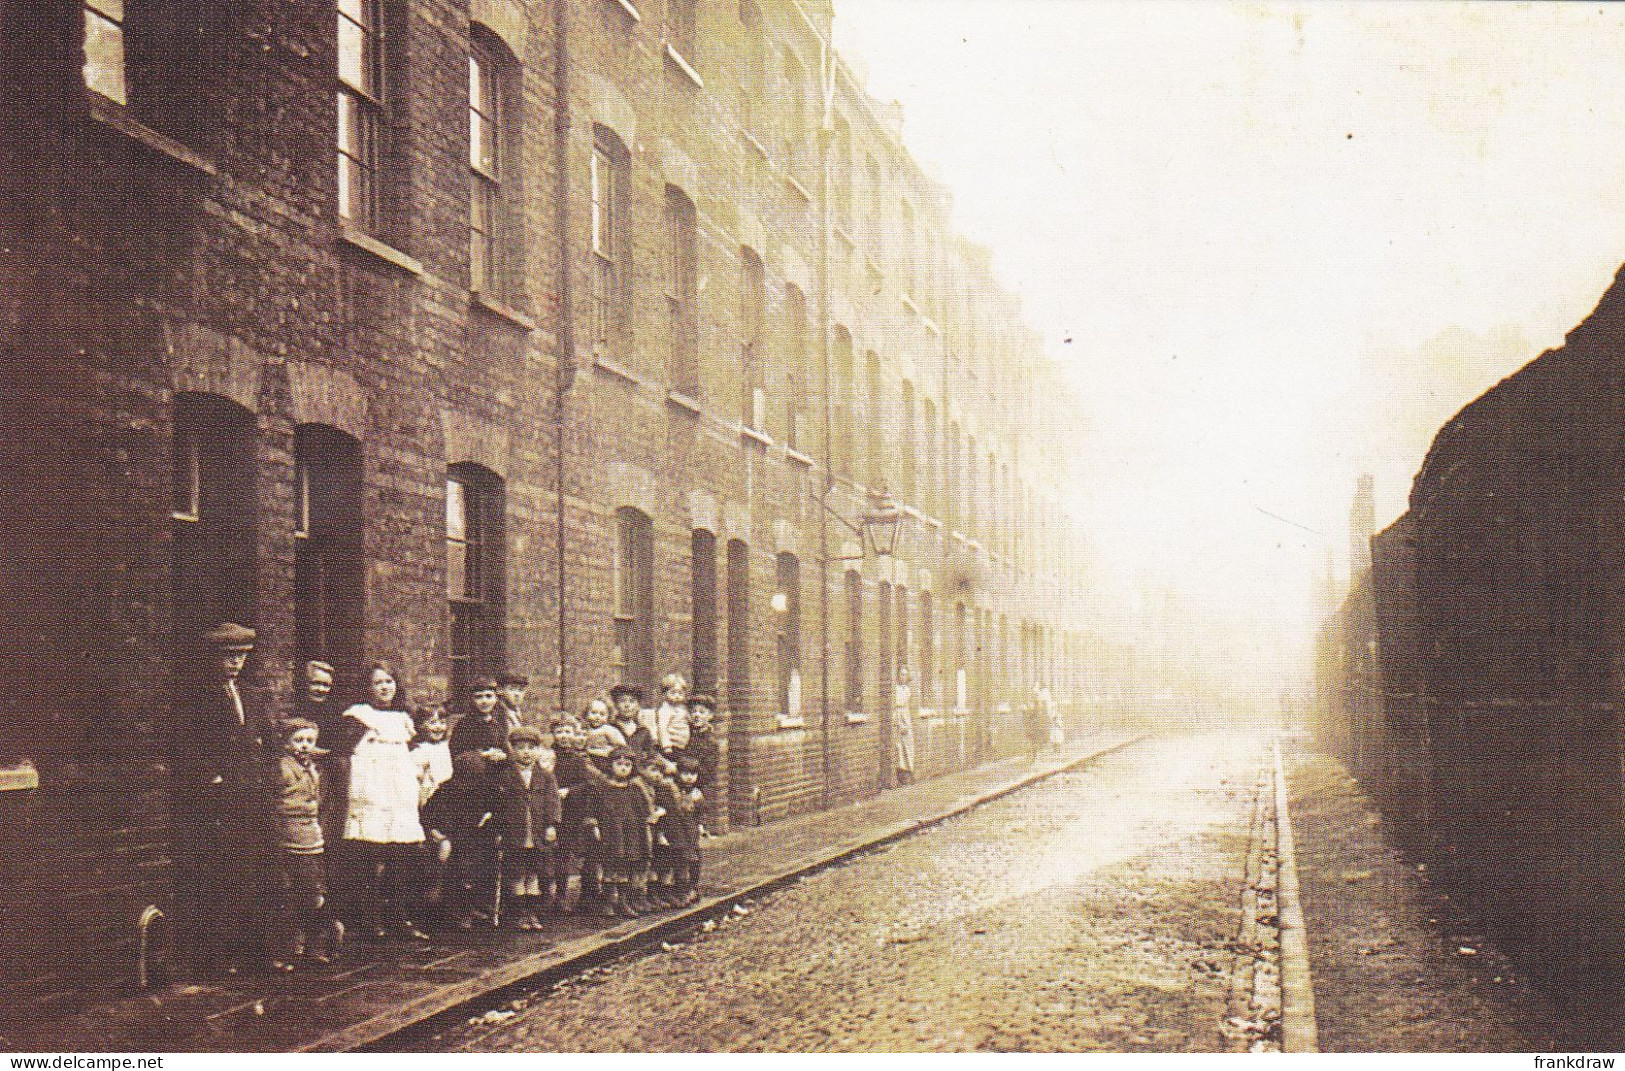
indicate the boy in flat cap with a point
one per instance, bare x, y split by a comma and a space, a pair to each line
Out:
527, 816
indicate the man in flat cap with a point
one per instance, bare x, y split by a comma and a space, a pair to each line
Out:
221, 810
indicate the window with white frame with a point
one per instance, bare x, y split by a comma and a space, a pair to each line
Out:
795, 357
752, 65
360, 111
475, 582
485, 165
753, 323
682, 295
607, 180
632, 570
104, 71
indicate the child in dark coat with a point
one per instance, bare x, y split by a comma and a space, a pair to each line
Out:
662, 891
618, 825
682, 828
528, 814
574, 771
704, 749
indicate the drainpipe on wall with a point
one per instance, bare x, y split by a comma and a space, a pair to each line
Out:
566, 371
826, 85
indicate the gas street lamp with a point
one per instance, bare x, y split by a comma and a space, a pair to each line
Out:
877, 529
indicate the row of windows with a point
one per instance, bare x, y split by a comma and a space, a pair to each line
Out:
361, 120
215, 551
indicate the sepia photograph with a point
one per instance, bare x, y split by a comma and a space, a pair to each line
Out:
811, 527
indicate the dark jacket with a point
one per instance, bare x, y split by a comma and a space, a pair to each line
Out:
640, 741
704, 747
526, 812
621, 811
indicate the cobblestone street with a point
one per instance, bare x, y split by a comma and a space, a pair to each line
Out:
1090, 912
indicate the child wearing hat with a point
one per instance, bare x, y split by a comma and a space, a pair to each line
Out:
527, 818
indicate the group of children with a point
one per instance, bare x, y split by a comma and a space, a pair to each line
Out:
486, 818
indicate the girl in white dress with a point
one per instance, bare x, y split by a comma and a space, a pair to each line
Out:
382, 824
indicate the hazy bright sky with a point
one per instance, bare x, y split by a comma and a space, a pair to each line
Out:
1288, 240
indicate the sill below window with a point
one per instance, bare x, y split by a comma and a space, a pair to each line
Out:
382, 250
110, 114
750, 434
675, 58
754, 142
686, 402
619, 371
841, 233
20, 778
856, 717
932, 326
792, 454
627, 6
908, 303
500, 310
790, 721
795, 184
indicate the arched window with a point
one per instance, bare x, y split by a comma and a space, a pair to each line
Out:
787, 611
703, 607
633, 569
854, 641
928, 652
212, 509
327, 561
476, 583
739, 633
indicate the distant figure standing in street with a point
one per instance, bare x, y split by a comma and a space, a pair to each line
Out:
1052, 718
1035, 726
902, 726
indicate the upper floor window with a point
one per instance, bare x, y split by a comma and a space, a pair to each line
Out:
682, 27
841, 169
905, 250
608, 183
360, 110
753, 63
104, 49
796, 154
795, 357
752, 320
487, 211
682, 290
841, 417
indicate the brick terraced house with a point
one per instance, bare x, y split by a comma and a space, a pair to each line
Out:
575, 337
